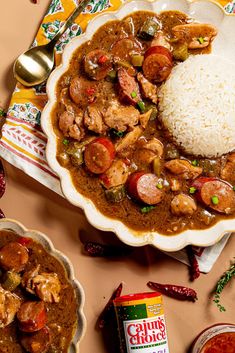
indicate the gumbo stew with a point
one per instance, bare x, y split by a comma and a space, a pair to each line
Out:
111, 139
34, 293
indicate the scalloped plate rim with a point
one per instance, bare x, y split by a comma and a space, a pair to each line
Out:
163, 242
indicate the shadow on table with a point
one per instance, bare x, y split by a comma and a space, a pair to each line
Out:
110, 337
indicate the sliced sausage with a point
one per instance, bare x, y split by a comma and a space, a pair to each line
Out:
97, 64
215, 193
125, 48
99, 155
157, 64
82, 91
31, 316
143, 187
37, 342
13, 257
129, 88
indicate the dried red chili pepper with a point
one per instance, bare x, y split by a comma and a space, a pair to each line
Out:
108, 311
194, 266
177, 292
2, 180
100, 250
1, 214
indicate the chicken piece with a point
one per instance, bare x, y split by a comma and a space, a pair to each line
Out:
129, 140
65, 121
76, 132
184, 169
70, 107
144, 118
93, 120
148, 89
154, 145
121, 117
70, 123
26, 281
71, 120
116, 175
183, 205
147, 151
160, 40
9, 305
228, 172
196, 35
46, 286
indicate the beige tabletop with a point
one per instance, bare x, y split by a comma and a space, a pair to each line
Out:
39, 208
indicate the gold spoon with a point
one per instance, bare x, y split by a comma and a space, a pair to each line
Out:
35, 65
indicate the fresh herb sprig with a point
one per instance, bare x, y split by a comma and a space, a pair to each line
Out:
226, 277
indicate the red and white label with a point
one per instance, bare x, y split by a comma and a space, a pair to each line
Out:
146, 335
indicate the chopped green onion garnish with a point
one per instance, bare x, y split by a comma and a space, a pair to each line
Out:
65, 142
192, 190
117, 133
147, 209
141, 106
215, 200
201, 40
233, 188
159, 186
133, 94
195, 163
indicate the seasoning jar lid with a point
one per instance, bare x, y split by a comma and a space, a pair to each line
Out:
219, 338
136, 296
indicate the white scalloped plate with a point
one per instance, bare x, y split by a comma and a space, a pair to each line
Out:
10, 224
224, 44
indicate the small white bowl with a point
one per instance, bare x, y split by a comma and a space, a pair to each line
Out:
9, 224
224, 44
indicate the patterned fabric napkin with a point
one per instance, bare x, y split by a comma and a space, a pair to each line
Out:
23, 142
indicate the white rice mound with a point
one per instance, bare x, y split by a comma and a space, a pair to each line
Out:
197, 105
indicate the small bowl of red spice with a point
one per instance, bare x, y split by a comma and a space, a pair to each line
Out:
219, 338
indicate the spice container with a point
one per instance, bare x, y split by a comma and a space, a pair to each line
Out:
219, 338
141, 323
